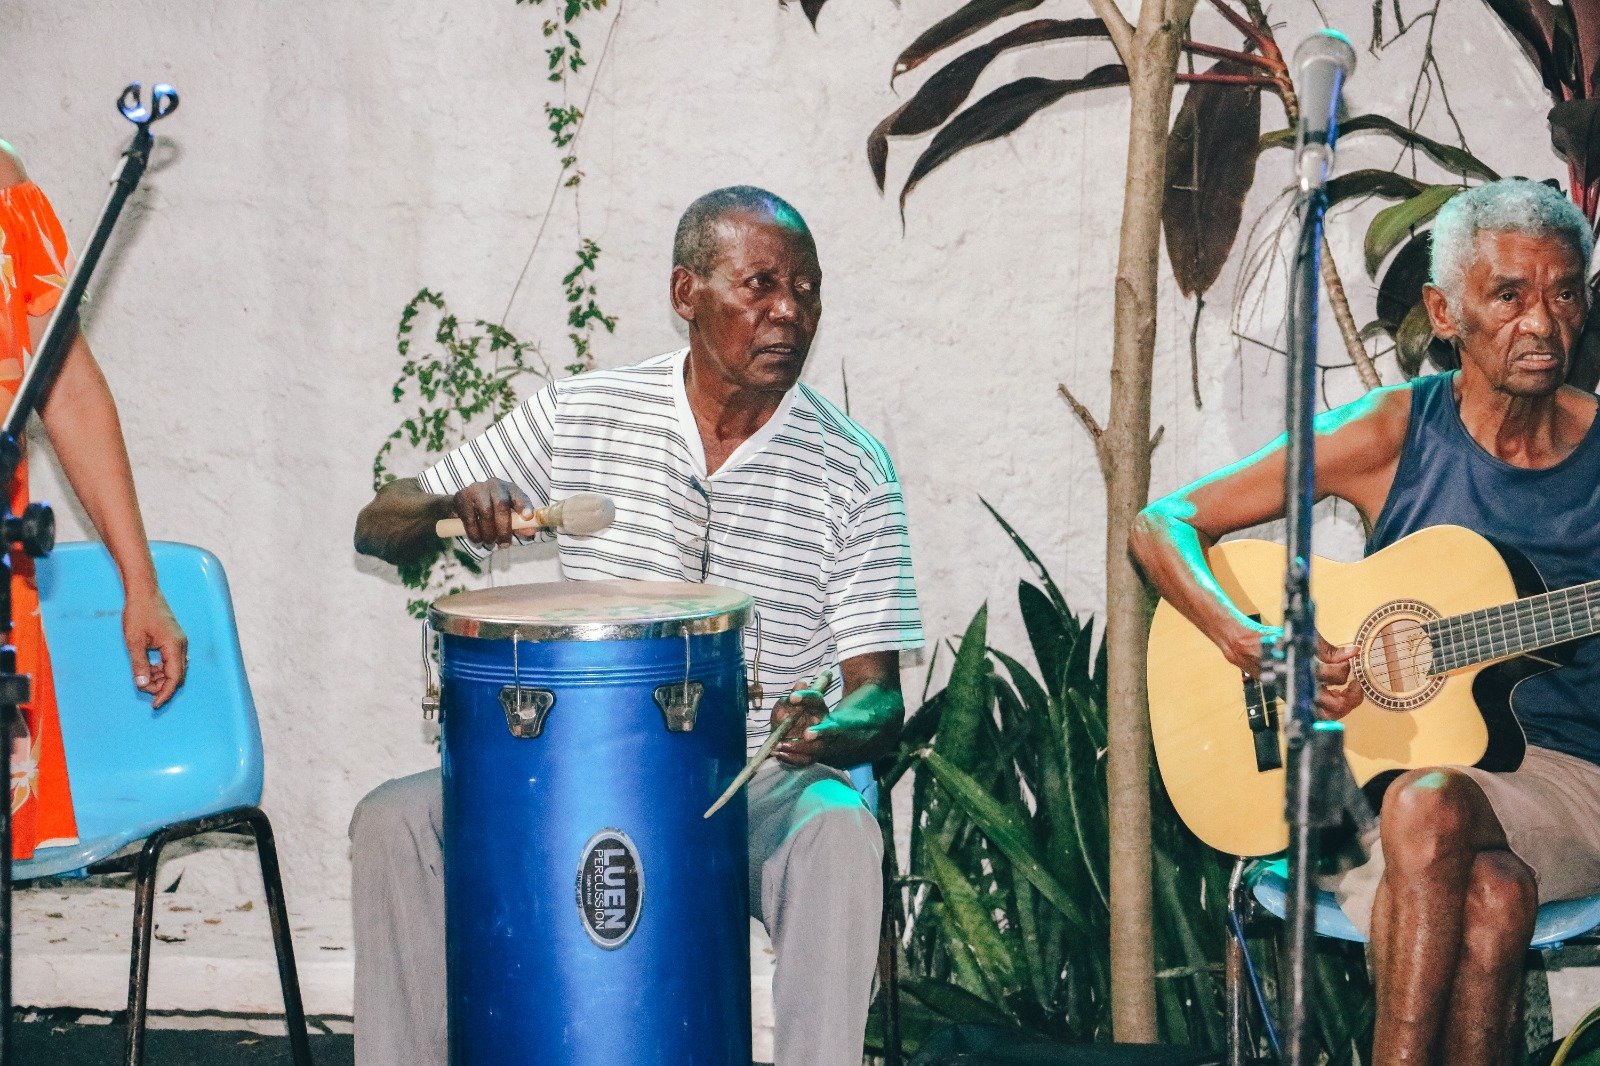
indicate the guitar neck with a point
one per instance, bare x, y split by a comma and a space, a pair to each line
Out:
1515, 628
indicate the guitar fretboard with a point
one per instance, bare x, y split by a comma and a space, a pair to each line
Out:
1514, 628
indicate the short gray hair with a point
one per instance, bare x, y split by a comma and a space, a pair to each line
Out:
1510, 205
695, 246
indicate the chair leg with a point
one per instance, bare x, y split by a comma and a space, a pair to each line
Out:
144, 902
1233, 968
144, 907
294, 1017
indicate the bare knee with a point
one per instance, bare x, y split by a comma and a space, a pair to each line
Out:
1502, 905
1432, 815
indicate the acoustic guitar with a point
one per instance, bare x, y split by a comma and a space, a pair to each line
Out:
1446, 623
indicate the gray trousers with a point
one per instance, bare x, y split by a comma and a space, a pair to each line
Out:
815, 883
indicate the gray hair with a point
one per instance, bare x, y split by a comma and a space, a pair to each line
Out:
695, 246
1510, 205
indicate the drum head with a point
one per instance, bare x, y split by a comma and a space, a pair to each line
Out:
591, 610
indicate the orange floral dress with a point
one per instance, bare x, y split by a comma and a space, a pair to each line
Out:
33, 258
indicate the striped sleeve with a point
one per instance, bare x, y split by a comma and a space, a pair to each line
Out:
872, 596
516, 449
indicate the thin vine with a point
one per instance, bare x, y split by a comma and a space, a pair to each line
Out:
470, 375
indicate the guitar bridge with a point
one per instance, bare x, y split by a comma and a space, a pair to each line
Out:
1261, 709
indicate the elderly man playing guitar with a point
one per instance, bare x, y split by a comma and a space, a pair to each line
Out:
1506, 449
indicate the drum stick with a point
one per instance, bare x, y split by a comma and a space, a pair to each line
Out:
580, 515
779, 733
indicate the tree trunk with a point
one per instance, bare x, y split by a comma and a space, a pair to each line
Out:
1124, 451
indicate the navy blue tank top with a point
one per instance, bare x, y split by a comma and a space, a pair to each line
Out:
1552, 516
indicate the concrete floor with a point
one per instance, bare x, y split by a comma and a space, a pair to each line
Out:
64, 1039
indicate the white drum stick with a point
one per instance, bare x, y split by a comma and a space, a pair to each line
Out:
580, 515
779, 733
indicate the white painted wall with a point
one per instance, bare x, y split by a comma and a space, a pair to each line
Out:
331, 159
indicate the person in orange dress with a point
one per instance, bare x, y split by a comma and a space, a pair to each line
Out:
80, 419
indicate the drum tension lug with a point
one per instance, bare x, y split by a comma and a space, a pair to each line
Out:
430, 703
680, 704
526, 709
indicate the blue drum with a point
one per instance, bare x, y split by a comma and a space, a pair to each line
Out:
592, 914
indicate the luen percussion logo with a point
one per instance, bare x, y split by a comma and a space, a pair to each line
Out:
610, 888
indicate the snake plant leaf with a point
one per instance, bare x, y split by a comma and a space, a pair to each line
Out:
949, 87
1033, 560
960, 24
1453, 158
954, 1002
1211, 164
1006, 832
1001, 112
975, 925
967, 696
1382, 183
1394, 224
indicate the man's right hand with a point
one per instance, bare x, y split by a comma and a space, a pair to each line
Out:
1337, 696
487, 508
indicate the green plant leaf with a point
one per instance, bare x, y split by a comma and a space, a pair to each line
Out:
966, 20
1008, 833
1413, 340
954, 1002
976, 927
1384, 183
1001, 112
1394, 224
1454, 159
967, 696
812, 8
1211, 164
1034, 561
948, 88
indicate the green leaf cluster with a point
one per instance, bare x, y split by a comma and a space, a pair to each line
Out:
464, 380
1004, 887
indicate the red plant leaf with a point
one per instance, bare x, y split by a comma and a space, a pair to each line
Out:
1001, 112
949, 87
971, 17
1211, 164
1532, 22
1575, 134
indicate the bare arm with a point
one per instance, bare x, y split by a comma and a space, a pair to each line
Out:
80, 417
864, 727
1357, 452
397, 526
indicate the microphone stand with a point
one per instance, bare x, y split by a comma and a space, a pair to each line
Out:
33, 531
1320, 792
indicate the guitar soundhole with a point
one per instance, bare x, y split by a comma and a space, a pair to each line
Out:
1396, 656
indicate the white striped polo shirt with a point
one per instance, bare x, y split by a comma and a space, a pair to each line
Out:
806, 516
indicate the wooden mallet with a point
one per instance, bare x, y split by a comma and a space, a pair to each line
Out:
580, 515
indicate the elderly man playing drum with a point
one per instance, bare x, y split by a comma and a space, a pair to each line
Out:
725, 469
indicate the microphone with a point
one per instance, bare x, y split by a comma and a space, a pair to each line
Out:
580, 515
1321, 64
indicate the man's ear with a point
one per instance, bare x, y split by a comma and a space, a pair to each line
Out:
682, 289
1438, 305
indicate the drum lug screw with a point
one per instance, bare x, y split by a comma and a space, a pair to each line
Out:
680, 704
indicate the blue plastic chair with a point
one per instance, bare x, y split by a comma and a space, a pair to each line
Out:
192, 767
